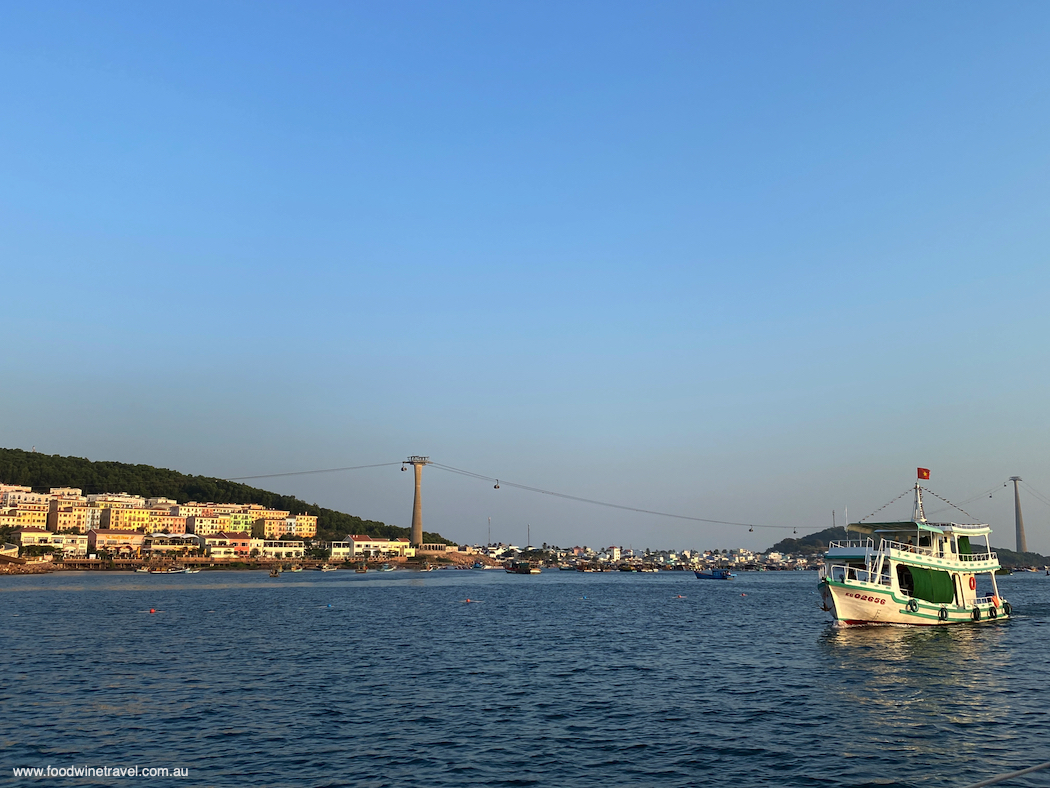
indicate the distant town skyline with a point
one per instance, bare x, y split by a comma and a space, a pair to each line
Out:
745, 262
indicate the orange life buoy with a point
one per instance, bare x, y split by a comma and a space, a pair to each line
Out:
995, 601
973, 583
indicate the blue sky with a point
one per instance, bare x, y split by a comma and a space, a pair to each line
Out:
743, 261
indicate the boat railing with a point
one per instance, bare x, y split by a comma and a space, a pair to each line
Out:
842, 574
989, 556
906, 548
869, 543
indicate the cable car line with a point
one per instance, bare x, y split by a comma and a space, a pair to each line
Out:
504, 483
306, 473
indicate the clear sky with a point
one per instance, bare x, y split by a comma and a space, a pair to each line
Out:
743, 261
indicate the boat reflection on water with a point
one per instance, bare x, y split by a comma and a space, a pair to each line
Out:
908, 686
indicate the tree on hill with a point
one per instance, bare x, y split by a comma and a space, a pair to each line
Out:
808, 545
43, 471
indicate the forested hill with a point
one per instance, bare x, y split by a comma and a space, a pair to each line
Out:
813, 543
43, 471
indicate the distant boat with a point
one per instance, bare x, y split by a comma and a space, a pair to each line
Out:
145, 570
713, 574
296, 569
192, 570
477, 565
385, 568
522, 568
327, 568
275, 572
361, 569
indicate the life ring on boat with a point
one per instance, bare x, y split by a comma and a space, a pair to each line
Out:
995, 601
1008, 608
992, 612
913, 605
942, 614
977, 614
973, 583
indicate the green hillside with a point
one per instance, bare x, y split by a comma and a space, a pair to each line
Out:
43, 471
808, 545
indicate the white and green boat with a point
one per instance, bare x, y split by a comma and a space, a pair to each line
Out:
913, 572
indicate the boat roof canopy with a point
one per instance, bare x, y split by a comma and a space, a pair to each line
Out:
975, 529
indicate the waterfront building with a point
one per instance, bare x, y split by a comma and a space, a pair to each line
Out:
68, 517
162, 520
206, 525
360, 546
187, 510
71, 545
269, 548
241, 521
31, 515
118, 501
68, 495
15, 495
303, 525
119, 518
126, 544
169, 544
274, 521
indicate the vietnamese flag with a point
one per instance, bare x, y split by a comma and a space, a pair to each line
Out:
924, 473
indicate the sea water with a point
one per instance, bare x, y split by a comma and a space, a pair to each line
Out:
561, 679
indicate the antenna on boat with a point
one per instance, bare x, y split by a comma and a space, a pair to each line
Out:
918, 515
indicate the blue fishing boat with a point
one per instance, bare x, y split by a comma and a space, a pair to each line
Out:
713, 574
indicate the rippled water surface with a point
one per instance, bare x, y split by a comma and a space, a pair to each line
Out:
561, 679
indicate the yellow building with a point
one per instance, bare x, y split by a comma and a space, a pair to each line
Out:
119, 519
304, 525
68, 518
31, 515
201, 525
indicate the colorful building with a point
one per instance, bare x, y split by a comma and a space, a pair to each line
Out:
126, 544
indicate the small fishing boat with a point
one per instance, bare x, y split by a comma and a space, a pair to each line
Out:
145, 570
477, 565
713, 574
385, 568
326, 568
296, 568
192, 570
361, 569
522, 568
275, 572
917, 572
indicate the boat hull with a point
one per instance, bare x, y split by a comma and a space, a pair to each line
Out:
861, 604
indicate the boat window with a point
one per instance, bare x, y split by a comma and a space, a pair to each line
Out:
905, 580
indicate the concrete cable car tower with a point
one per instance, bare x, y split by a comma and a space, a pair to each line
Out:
417, 464
1022, 543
